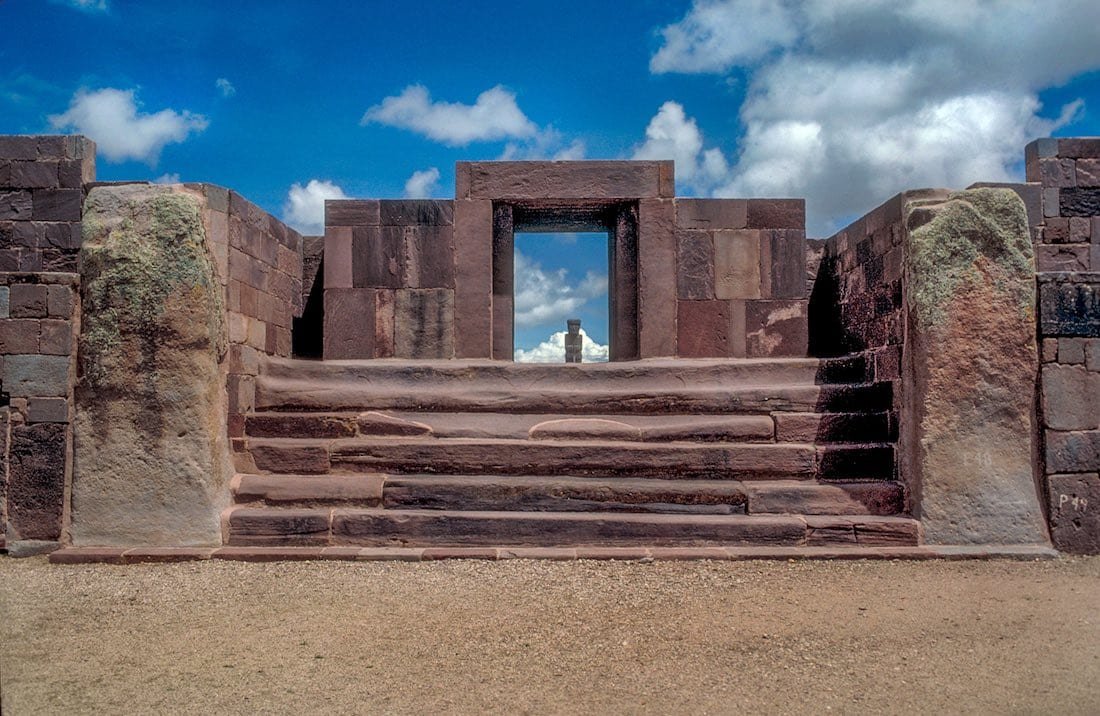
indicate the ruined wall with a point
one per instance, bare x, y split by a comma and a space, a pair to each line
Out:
41, 191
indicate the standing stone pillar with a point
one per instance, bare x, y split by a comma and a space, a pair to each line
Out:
574, 341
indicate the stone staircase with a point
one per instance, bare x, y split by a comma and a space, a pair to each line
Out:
675, 453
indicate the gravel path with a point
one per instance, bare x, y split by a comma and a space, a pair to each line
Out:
546, 637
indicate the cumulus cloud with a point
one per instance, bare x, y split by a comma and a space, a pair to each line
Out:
494, 115
305, 205
111, 117
547, 143
849, 102
549, 296
422, 184
225, 87
552, 350
173, 178
671, 134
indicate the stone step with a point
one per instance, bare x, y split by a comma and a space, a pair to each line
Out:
672, 460
249, 526
781, 427
571, 494
640, 387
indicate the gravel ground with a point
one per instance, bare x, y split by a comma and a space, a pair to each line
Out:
541, 637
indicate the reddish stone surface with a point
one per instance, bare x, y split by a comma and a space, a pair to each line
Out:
656, 281
563, 180
473, 319
776, 214
36, 480
711, 213
695, 265
703, 328
776, 328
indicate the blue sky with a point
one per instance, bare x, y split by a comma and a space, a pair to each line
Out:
838, 101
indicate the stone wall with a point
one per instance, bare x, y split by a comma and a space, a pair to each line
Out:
1069, 171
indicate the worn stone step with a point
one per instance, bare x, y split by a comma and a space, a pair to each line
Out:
309, 490
659, 386
855, 461
672, 460
247, 526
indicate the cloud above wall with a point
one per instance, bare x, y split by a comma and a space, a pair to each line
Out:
494, 115
549, 296
849, 102
422, 184
304, 208
552, 350
112, 118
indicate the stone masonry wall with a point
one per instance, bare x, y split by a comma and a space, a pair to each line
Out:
42, 182
740, 278
1068, 256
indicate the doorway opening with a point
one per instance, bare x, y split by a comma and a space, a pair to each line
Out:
560, 277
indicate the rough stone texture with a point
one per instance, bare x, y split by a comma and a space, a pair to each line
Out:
562, 180
1071, 397
737, 264
151, 463
971, 360
424, 323
36, 484
1075, 512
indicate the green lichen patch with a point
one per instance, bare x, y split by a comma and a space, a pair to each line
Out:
977, 235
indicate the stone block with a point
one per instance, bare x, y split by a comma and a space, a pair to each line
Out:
5, 303
703, 329
1077, 451
19, 335
19, 147
1075, 512
1057, 172
36, 480
429, 256
55, 338
1071, 397
28, 300
1050, 350
1080, 229
776, 214
424, 323
1079, 201
70, 174
338, 261
1062, 257
1069, 309
378, 256
59, 235
1088, 172
1092, 354
1051, 202
352, 212
711, 213
563, 180
737, 264
404, 212
656, 278
57, 204
48, 410
694, 265
776, 328
243, 359
349, 321
1079, 147
473, 231
39, 174
1056, 230
1071, 350
15, 205
783, 264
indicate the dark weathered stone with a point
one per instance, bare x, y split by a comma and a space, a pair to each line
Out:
704, 328
1069, 308
28, 300
429, 257
36, 484
776, 214
405, 212
776, 328
352, 212
39, 174
424, 323
1079, 202
15, 205
48, 410
19, 335
57, 204
562, 180
1073, 451
378, 257
56, 338
695, 265
1075, 512
786, 264
349, 323
711, 213
27, 375
1071, 397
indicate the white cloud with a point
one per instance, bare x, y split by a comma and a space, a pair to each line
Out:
552, 350
86, 5
422, 184
549, 297
173, 178
671, 134
547, 143
493, 116
225, 87
305, 205
111, 118
851, 101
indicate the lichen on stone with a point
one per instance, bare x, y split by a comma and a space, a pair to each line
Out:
975, 233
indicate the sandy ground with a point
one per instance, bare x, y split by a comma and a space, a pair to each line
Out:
546, 637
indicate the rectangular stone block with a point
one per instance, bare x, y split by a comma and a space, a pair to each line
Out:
1079, 201
776, 214
424, 323
57, 204
48, 410
711, 213
349, 323
1057, 172
563, 180
473, 241
337, 261
5, 302
656, 278
352, 212
703, 329
40, 174
783, 264
15, 205
19, 147
1073, 451
1069, 309
429, 257
378, 256
1071, 396
55, 338
776, 328
1062, 257
1088, 172
28, 300
695, 265
1075, 512
403, 212
1071, 350
1078, 147
36, 480
737, 264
